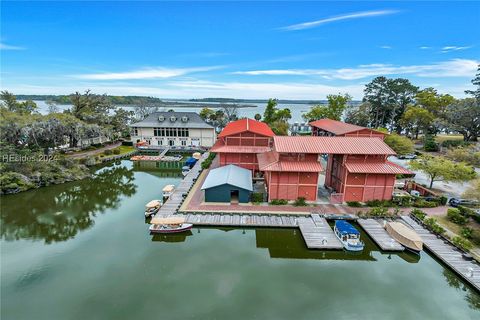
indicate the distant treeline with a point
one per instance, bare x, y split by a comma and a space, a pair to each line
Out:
230, 100
65, 99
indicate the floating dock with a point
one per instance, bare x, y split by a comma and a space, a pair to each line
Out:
317, 233
468, 270
379, 235
242, 220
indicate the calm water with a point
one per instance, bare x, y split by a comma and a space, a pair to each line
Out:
82, 251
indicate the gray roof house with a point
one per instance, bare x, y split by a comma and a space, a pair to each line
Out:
228, 184
183, 129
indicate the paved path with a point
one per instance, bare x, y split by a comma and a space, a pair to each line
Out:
85, 154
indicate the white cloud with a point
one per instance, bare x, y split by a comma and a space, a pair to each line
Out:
386, 47
450, 68
425, 47
4, 46
348, 16
454, 48
146, 73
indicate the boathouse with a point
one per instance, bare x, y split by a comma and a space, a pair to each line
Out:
334, 128
240, 142
229, 183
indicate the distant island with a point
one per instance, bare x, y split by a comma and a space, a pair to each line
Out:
65, 99
232, 100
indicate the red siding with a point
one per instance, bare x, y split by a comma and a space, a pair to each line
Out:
292, 185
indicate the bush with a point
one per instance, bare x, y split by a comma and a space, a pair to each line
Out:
420, 203
279, 202
107, 152
300, 202
429, 143
403, 201
400, 144
454, 143
378, 212
433, 226
379, 203
443, 200
466, 232
455, 216
419, 214
116, 151
354, 204
462, 243
257, 197
466, 212
469, 155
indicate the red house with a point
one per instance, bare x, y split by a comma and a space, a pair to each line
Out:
240, 142
330, 128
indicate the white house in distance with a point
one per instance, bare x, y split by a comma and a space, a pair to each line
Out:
181, 129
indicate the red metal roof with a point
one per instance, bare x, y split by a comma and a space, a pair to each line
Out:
376, 167
220, 147
244, 125
332, 145
338, 127
269, 161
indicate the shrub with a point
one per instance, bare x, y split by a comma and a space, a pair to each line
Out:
300, 202
420, 203
419, 214
466, 212
379, 203
429, 143
279, 202
257, 197
116, 151
378, 212
454, 143
462, 243
443, 200
433, 226
455, 216
107, 152
403, 201
206, 163
354, 204
464, 154
466, 232
400, 144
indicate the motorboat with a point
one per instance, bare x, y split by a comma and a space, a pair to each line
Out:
169, 225
185, 170
152, 208
197, 155
406, 236
168, 190
348, 236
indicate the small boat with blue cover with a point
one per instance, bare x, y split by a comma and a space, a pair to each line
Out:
348, 236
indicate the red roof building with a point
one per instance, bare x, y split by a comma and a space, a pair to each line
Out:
357, 168
329, 128
240, 142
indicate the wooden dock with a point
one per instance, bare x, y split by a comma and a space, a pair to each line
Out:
468, 270
242, 220
379, 235
317, 233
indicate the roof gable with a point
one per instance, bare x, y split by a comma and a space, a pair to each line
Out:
230, 174
173, 120
338, 127
244, 125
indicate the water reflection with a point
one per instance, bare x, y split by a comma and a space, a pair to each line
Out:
159, 169
173, 237
58, 213
454, 281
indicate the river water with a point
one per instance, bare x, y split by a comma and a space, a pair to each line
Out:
81, 250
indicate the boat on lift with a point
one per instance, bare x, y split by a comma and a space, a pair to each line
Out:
152, 208
348, 236
168, 190
169, 225
406, 236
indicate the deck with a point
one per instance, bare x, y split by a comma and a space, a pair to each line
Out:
468, 270
379, 235
242, 220
317, 233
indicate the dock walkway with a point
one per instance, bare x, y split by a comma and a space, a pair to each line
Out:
379, 235
468, 270
317, 233
242, 220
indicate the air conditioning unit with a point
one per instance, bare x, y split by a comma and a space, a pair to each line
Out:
173, 119
161, 118
184, 119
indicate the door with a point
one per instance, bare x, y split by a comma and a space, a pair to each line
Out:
234, 194
195, 142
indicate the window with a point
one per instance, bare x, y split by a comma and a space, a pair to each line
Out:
183, 132
135, 131
157, 132
184, 142
171, 143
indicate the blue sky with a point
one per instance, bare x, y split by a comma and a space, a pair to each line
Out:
291, 50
